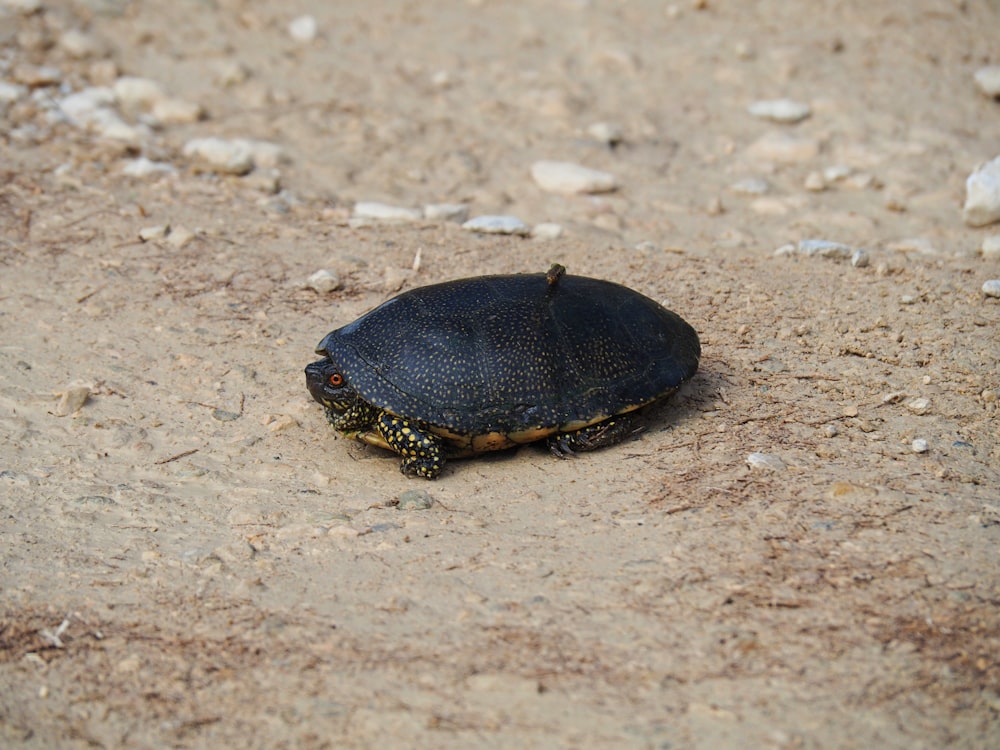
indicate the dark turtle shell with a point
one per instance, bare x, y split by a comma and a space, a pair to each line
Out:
520, 356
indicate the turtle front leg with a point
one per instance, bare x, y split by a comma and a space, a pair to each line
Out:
421, 450
610, 431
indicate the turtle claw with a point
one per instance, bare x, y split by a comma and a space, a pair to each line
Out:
611, 430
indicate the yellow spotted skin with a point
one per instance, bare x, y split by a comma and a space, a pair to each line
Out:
490, 362
421, 450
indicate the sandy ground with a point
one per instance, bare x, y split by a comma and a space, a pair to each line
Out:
193, 559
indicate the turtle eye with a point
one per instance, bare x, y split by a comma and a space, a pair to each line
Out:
336, 380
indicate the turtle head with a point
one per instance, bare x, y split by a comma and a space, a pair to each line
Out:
328, 385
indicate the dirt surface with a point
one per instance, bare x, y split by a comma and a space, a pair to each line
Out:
191, 558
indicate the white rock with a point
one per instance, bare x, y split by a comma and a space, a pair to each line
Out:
173, 111
11, 92
81, 108
988, 80
566, 177
136, 92
150, 234
919, 446
219, 155
143, 167
446, 212
497, 225
265, 153
323, 281
815, 182
982, 195
546, 231
765, 461
78, 44
180, 237
859, 258
991, 246
385, 212
919, 405
751, 186
991, 288
825, 248
303, 29
780, 110
836, 173
783, 148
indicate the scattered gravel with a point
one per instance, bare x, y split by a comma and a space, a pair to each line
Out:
566, 177
497, 225
982, 195
780, 110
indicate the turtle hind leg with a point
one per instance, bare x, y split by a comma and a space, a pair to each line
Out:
421, 451
612, 430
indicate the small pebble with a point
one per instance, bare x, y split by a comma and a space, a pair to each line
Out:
135, 92
303, 29
323, 281
765, 461
990, 247
219, 155
143, 167
859, 258
385, 212
180, 237
11, 92
815, 182
265, 153
77, 44
751, 186
919, 446
784, 148
151, 234
991, 288
72, 399
415, 500
606, 133
988, 80
780, 110
919, 405
982, 195
497, 225
826, 249
457, 212
546, 231
831, 430
836, 173
173, 111
566, 177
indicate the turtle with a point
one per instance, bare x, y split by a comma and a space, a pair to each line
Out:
490, 362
